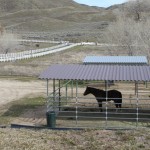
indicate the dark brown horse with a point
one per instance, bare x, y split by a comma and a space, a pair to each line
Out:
100, 96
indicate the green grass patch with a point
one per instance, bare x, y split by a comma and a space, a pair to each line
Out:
19, 107
26, 79
4, 120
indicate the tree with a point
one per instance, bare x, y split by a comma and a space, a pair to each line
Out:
122, 34
136, 8
8, 42
130, 35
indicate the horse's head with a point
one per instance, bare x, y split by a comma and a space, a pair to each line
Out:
87, 91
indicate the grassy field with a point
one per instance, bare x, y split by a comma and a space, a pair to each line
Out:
45, 139
54, 139
15, 109
75, 140
34, 66
62, 20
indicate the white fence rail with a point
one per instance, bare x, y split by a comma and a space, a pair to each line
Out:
63, 45
42, 41
35, 53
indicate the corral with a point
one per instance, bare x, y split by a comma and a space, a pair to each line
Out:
74, 110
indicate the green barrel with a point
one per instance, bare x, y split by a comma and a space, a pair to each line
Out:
51, 119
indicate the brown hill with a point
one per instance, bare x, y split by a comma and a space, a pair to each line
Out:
17, 5
70, 19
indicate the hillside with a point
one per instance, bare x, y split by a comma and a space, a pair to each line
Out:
63, 16
17, 5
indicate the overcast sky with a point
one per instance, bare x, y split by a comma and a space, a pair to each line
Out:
100, 3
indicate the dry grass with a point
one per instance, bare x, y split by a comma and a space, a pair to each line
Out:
42, 16
62, 20
85, 139
75, 25
81, 140
33, 67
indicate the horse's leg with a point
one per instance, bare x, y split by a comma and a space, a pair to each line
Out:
100, 106
118, 105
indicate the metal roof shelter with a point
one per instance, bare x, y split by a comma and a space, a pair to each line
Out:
124, 60
96, 72
77, 72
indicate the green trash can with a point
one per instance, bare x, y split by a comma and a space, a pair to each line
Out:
51, 119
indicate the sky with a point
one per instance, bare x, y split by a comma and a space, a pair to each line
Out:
100, 3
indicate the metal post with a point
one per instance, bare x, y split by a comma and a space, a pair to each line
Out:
76, 102
146, 84
54, 94
67, 92
135, 88
72, 89
59, 96
54, 88
31, 53
137, 106
106, 89
47, 101
47, 87
105, 85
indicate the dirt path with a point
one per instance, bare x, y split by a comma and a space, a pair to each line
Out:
11, 90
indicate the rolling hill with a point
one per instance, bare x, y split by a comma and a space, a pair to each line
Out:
61, 18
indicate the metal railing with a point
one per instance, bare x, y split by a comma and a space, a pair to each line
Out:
85, 113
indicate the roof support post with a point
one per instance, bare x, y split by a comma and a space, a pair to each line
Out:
76, 102
47, 93
67, 92
136, 87
106, 113
54, 87
47, 88
54, 94
137, 105
105, 85
146, 84
59, 96
72, 88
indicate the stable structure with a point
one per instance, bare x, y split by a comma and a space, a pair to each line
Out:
116, 60
74, 110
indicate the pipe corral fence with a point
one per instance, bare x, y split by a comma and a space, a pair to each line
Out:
73, 110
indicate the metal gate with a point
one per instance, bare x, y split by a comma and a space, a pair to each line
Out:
74, 110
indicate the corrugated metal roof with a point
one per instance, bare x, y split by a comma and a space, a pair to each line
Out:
116, 59
96, 72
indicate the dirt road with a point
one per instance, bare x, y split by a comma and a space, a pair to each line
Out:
11, 90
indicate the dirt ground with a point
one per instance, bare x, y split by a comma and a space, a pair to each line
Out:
11, 90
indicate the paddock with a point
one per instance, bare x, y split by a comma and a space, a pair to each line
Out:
73, 110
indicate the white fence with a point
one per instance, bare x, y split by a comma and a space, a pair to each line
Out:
42, 41
35, 53
63, 45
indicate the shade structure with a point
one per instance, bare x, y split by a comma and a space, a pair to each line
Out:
96, 72
124, 60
